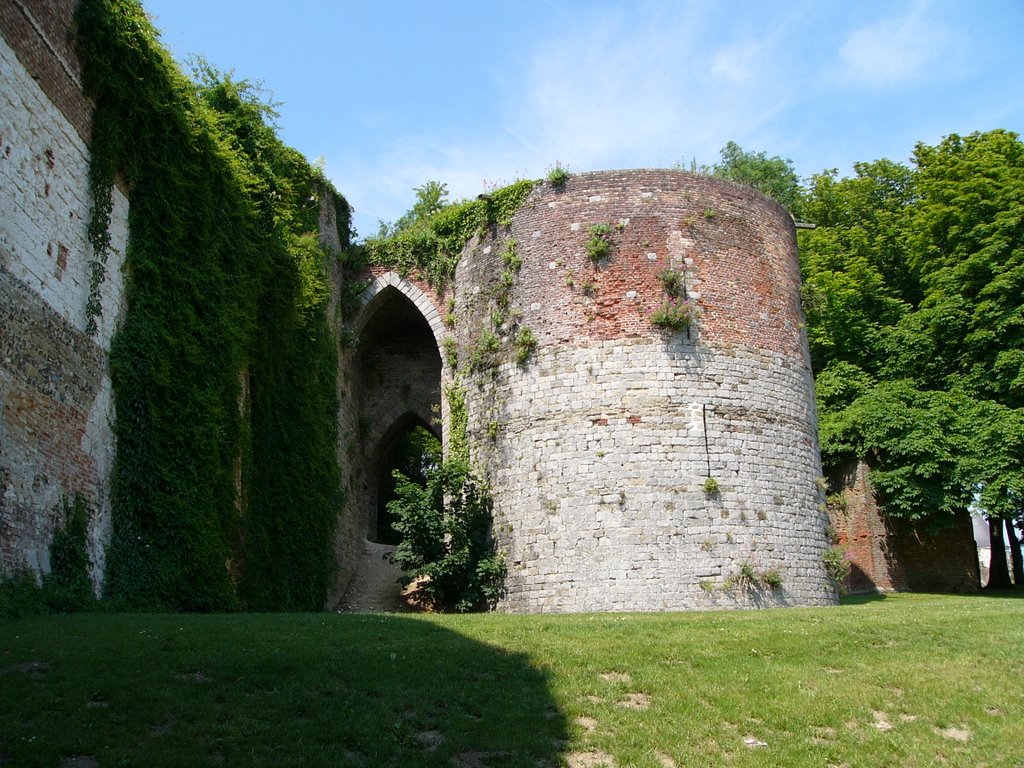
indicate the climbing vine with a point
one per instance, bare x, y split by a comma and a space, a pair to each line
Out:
432, 247
225, 481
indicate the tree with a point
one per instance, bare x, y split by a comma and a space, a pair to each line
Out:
968, 246
446, 537
431, 198
914, 296
772, 176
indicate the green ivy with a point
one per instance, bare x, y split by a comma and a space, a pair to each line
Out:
432, 247
219, 501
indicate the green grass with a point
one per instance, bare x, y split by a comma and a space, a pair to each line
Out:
908, 680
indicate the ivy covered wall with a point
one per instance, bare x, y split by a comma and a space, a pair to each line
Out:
226, 481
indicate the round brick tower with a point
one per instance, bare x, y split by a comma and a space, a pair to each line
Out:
634, 466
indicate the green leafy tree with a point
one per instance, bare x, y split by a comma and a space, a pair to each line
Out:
914, 296
431, 198
773, 176
968, 246
446, 537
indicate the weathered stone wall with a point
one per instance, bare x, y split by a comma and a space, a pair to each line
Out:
892, 555
598, 448
390, 375
55, 397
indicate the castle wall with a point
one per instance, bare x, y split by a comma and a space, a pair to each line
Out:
55, 396
891, 555
598, 448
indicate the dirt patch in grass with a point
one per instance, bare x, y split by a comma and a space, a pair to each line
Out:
882, 721
594, 759
963, 735
635, 701
476, 759
822, 734
430, 740
34, 669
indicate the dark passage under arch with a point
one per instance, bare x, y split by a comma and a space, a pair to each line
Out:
398, 375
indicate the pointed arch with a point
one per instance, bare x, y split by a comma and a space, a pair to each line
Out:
374, 297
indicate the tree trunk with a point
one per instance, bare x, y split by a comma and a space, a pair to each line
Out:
998, 574
1015, 556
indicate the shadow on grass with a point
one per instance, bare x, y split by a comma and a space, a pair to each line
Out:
1010, 593
281, 690
874, 597
862, 599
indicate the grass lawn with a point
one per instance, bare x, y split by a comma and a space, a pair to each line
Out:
905, 680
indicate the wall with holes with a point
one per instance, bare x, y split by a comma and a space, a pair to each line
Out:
635, 467
55, 399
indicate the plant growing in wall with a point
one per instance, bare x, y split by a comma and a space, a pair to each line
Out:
525, 343
557, 176
451, 351
447, 547
599, 244
711, 488
749, 578
484, 356
676, 312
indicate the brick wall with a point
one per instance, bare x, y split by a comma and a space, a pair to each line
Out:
55, 400
888, 554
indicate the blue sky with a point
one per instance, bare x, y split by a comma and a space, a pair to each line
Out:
392, 94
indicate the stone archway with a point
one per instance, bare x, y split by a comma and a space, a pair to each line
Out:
396, 373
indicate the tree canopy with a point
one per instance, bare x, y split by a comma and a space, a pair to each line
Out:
773, 176
914, 297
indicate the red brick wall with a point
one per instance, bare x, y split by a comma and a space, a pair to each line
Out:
42, 35
889, 554
735, 245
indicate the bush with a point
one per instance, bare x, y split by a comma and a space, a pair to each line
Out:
20, 595
68, 586
446, 538
599, 244
557, 176
837, 566
674, 314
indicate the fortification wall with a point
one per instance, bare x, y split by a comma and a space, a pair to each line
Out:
892, 555
55, 397
598, 448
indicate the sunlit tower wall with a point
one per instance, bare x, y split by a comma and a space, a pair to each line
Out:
635, 467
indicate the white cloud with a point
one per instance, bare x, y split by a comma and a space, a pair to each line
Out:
895, 51
650, 88
737, 64
647, 86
